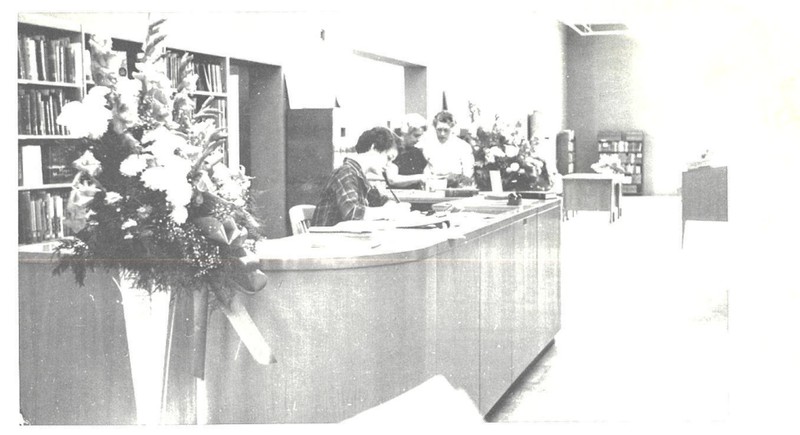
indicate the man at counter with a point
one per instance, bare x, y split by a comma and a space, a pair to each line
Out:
407, 170
348, 195
447, 154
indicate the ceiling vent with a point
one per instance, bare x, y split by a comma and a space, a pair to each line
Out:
600, 29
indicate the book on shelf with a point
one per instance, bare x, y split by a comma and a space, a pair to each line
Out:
47, 59
87, 65
41, 216
41, 57
38, 110
210, 76
27, 46
74, 62
609, 136
57, 160
222, 107
31, 165
634, 136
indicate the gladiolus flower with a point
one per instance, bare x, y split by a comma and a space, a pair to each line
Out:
87, 163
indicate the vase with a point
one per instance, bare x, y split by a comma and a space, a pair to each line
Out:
146, 327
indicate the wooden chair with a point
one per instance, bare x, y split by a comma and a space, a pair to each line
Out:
300, 217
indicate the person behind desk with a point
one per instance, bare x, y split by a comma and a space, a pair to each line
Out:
407, 170
447, 154
348, 195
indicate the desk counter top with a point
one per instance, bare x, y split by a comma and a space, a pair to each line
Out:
386, 245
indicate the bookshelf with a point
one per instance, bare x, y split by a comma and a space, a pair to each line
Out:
212, 72
565, 152
49, 75
53, 68
628, 147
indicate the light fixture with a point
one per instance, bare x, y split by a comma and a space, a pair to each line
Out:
599, 28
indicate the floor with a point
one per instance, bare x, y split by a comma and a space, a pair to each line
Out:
644, 334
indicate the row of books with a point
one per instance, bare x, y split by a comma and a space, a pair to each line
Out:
210, 77
630, 188
38, 110
210, 74
631, 168
621, 146
41, 216
222, 107
48, 59
52, 164
615, 136
630, 157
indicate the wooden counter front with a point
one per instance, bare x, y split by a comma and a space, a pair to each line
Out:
73, 354
355, 322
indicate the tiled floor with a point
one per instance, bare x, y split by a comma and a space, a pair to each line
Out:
644, 333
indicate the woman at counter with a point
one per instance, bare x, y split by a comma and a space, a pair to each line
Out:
348, 195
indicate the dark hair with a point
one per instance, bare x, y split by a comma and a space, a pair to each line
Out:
380, 137
443, 116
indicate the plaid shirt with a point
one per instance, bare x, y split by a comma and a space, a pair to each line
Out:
346, 196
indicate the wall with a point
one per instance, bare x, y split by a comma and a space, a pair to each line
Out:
509, 63
690, 88
601, 95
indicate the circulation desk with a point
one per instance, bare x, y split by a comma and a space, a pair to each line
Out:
355, 321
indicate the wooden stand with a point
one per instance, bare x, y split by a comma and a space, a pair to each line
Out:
704, 195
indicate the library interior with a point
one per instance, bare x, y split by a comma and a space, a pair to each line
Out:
190, 250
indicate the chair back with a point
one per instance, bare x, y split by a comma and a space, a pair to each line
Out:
300, 217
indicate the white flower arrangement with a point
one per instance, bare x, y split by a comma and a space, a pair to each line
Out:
152, 192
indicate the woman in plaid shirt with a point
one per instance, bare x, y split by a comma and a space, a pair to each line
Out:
347, 194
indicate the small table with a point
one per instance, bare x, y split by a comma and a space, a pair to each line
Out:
593, 192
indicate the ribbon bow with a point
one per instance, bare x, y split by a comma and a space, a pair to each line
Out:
250, 280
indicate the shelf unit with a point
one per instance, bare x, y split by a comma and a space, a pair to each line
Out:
49, 75
565, 152
628, 146
53, 69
